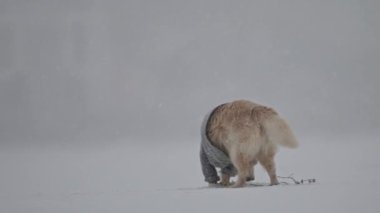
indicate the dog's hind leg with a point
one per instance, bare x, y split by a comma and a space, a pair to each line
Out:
251, 175
225, 180
267, 161
241, 162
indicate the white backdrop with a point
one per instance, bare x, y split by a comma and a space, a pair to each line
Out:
106, 70
101, 102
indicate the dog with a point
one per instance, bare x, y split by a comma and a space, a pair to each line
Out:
236, 136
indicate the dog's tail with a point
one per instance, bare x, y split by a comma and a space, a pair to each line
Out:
279, 132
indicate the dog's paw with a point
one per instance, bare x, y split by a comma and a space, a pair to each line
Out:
226, 183
237, 185
273, 183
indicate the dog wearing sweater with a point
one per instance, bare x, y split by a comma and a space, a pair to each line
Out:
237, 135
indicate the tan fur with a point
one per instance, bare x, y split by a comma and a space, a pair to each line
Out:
249, 133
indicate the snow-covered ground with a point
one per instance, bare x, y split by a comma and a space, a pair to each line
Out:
166, 177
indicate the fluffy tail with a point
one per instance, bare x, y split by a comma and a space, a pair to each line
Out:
279, 132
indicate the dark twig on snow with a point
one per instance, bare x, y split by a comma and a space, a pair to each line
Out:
302, 181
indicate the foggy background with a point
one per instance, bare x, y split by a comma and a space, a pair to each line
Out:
82, 72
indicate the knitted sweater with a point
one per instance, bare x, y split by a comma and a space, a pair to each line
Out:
211, 157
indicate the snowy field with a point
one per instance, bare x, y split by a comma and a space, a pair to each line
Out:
130, 73
167, 178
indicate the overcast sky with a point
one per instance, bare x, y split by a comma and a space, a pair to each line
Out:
107, 70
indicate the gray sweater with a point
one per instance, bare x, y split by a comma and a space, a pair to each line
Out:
211, 157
